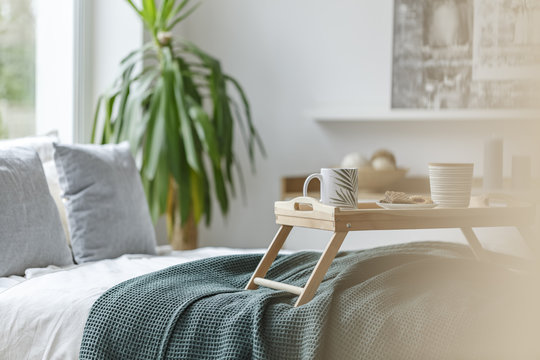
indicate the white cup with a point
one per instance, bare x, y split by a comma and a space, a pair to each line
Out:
339, 187
451, 184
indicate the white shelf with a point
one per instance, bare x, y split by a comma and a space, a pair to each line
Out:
362, 115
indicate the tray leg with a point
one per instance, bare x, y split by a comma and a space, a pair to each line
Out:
514, 262
270, 255
473, 241
321, 268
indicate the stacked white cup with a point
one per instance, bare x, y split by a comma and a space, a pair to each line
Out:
451, 184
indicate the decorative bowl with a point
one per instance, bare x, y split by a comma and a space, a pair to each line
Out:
379, 180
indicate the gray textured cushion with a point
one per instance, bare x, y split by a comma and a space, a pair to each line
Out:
31, 234
107, 210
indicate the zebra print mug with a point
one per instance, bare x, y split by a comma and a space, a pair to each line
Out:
339, 187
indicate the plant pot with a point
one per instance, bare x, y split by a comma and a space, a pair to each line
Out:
184, 237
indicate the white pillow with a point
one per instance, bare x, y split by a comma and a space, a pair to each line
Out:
31, 233
43, 145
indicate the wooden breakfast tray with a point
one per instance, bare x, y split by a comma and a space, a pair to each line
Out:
310, 213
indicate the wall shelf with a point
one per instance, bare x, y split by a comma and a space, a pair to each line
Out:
362, 115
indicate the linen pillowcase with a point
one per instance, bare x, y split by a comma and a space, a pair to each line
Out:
107, 211
42, 144
31, 234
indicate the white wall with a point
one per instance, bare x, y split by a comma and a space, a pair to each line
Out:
294, 57
297, 56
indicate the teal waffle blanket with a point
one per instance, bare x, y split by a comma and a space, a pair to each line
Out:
416, 301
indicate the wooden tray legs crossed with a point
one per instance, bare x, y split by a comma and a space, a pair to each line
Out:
306, 293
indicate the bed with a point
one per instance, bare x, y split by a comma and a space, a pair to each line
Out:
42, 314
418, 300
71, 286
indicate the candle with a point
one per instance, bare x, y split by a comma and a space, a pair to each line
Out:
493, 164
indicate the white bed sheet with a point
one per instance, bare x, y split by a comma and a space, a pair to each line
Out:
42, 315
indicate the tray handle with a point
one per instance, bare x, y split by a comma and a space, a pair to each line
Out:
305, 203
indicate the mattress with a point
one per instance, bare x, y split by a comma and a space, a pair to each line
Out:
42, 315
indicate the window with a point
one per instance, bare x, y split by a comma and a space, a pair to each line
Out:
36, 67
17, 68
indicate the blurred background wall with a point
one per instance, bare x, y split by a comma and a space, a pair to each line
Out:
294, 57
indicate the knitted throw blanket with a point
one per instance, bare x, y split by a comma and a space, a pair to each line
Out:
414, 301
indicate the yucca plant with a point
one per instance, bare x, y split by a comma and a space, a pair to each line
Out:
173, 103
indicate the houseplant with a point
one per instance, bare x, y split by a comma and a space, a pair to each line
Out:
173, 103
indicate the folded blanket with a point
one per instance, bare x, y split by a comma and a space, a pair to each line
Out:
413, 301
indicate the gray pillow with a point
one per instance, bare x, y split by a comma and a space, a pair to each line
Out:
107, 211
31, 234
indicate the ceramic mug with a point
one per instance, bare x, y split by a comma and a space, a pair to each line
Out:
450, 184
339, 187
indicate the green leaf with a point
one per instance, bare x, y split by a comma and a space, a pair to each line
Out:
184, 188
205, 132
153, 205
135, 124
108, 126
241, 125
155, 134
161, 184
149, 9
164, 13
96, 119
186, 129
253, 132
124, 95
221, 190
176, 148
174, 143
177, 9
183, 16
197, 196
131, 57
188, 80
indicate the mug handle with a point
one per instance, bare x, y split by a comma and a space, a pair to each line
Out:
308, 179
